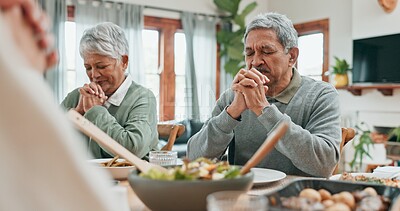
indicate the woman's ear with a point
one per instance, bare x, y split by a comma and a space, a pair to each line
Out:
294, 54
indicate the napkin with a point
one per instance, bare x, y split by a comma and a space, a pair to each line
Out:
387, 171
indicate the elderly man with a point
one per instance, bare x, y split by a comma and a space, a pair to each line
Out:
268, 92
112, 101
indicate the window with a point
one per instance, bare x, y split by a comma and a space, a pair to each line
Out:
311, 57
180, 78
70, 48
151, 67
164, 63
171, 42
154, 69
314, 49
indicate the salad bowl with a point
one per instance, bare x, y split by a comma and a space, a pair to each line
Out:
183, 194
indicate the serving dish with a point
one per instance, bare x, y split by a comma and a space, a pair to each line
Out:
183, 194
337, 176
295, 187
118, 173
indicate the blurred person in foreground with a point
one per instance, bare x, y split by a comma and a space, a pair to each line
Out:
112, 101
266, 93
43, 159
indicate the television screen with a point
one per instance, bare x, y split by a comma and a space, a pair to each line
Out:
377, 59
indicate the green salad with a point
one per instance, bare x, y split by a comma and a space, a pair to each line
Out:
199, 169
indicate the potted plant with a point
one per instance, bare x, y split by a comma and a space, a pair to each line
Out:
361, 149
230, 35
340, 69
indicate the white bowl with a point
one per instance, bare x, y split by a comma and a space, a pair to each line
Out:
118, 173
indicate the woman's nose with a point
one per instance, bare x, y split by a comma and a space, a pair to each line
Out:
94, 73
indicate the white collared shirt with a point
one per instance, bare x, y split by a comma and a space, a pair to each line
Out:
119, 95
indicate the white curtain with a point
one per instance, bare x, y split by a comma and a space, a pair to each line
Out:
57, 11
201, 47
128, 16
226, 79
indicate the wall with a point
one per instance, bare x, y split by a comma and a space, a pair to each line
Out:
338, 12
199, 6
369, 20
350, 20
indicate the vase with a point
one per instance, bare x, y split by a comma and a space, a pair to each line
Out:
340, 80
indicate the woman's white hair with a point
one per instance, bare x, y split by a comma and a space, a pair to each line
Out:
106, 39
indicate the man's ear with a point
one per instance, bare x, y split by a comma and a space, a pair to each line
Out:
125, 60
294, 54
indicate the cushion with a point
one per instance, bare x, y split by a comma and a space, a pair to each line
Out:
191, 128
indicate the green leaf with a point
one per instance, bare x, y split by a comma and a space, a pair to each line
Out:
341, 66
223, 37
361, 148
395, 132
231, 42
235, 52
248, 9
239, 20
228, 5
232, 66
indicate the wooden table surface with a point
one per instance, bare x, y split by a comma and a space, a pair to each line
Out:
136, 204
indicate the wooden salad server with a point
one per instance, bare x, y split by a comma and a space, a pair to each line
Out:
266, 147
104, 140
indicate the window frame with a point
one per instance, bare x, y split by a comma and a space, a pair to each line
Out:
313, 27
167, 28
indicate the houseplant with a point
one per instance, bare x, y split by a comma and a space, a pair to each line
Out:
361, 148
340, 70
395, 133
230, 35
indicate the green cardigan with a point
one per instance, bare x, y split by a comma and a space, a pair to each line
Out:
133, 124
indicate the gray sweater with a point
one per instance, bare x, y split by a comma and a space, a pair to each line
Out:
310, 147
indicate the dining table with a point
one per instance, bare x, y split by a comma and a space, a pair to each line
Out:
260, 189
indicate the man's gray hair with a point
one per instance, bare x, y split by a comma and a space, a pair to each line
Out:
282, 26
105, 39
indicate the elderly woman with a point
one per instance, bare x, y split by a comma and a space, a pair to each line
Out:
113, 102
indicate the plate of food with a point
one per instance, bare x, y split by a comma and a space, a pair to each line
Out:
366, 178
119, 168
262, 175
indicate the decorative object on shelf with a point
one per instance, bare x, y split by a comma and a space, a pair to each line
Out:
339, 72
388, 5
230, 36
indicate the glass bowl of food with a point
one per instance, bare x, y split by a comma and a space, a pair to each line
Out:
186, 187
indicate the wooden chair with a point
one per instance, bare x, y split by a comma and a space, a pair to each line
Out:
347, 135
172, 131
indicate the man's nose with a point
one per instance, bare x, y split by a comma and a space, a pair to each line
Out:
257, 61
